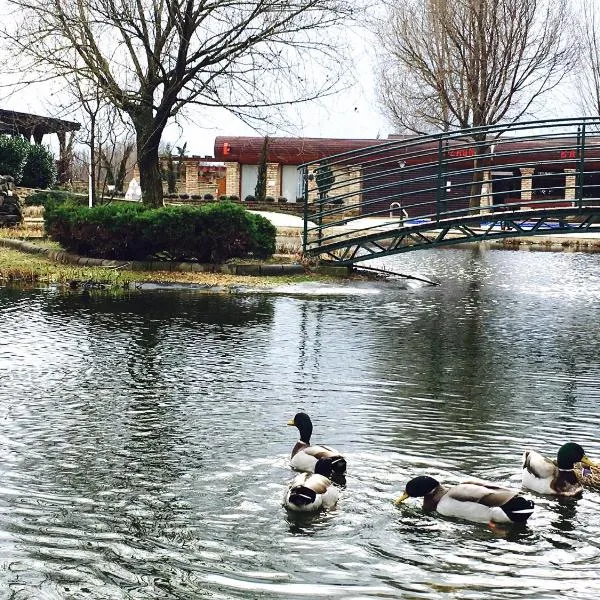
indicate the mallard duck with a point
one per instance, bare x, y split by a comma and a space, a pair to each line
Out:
587, 476
305, 456
557, 477
312, 491
477, 501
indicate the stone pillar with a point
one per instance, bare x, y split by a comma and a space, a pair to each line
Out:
136, 172
353, 188
313, 190
191, 177
273, 180
526, 183
570, 184
232, 179
486, 190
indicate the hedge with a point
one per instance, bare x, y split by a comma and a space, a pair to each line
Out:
30, 165
213, 233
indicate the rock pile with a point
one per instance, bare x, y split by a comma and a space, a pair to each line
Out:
10, 207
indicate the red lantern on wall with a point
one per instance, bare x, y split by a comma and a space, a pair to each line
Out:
226, 148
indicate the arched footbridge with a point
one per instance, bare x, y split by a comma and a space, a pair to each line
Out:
410, 193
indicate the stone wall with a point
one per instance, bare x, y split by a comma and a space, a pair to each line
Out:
10, 206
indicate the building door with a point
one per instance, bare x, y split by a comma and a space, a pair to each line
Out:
249, 179
290, 183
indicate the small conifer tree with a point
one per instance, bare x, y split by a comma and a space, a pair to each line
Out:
260, 191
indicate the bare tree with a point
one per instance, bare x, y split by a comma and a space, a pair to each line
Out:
104, 131
471, 63
588, 79
152, 58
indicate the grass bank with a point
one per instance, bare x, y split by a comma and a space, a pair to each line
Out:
18, 266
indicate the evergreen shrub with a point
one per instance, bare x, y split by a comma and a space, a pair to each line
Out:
13, 156
213, 233
41, 198
40, 168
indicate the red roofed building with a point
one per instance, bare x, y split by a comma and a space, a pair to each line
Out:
241, 156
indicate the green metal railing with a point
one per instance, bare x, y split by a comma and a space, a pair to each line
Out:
531, 178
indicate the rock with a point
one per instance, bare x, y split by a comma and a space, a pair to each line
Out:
10, 205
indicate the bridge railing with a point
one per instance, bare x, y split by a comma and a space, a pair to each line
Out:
410, 180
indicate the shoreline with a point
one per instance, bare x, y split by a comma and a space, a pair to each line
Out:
24, 261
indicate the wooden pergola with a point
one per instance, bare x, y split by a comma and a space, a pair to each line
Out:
35, 127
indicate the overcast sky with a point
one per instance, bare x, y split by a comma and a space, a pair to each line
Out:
353, 113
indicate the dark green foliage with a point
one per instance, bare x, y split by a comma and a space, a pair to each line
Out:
260, 191
249, 198
211, 233
325, 179
234, 198
170, 174
56, 197
264, 237
13, 156
208, 197
222, 198
282, 199
269, 199
40, 168
105, 231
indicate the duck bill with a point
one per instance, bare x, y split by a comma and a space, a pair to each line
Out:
587, 462
401, 499
291, 422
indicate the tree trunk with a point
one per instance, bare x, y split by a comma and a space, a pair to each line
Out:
148, 133
480, 159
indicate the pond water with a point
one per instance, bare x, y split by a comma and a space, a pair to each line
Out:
144, 452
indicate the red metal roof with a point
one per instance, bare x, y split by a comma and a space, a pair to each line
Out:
284, 150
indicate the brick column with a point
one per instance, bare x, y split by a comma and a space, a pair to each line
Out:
232, 179
570, 184
526, 183
273, 180
191, 177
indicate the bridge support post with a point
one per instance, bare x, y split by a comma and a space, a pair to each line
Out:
570, 184
526, 183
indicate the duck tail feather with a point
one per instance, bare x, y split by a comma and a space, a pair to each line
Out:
301, 496
518, 509
338, 465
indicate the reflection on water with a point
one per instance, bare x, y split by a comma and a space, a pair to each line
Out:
144, 446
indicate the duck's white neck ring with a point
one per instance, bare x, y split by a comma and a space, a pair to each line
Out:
566, 470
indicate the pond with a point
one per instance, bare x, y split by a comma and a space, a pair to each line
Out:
145, 452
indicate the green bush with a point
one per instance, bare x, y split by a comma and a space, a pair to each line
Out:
13, 156
106, 231
40, 169
214, 232
56, 196
264, 237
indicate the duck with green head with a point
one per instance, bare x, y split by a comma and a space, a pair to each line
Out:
556, 477
477, 501
305, 456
